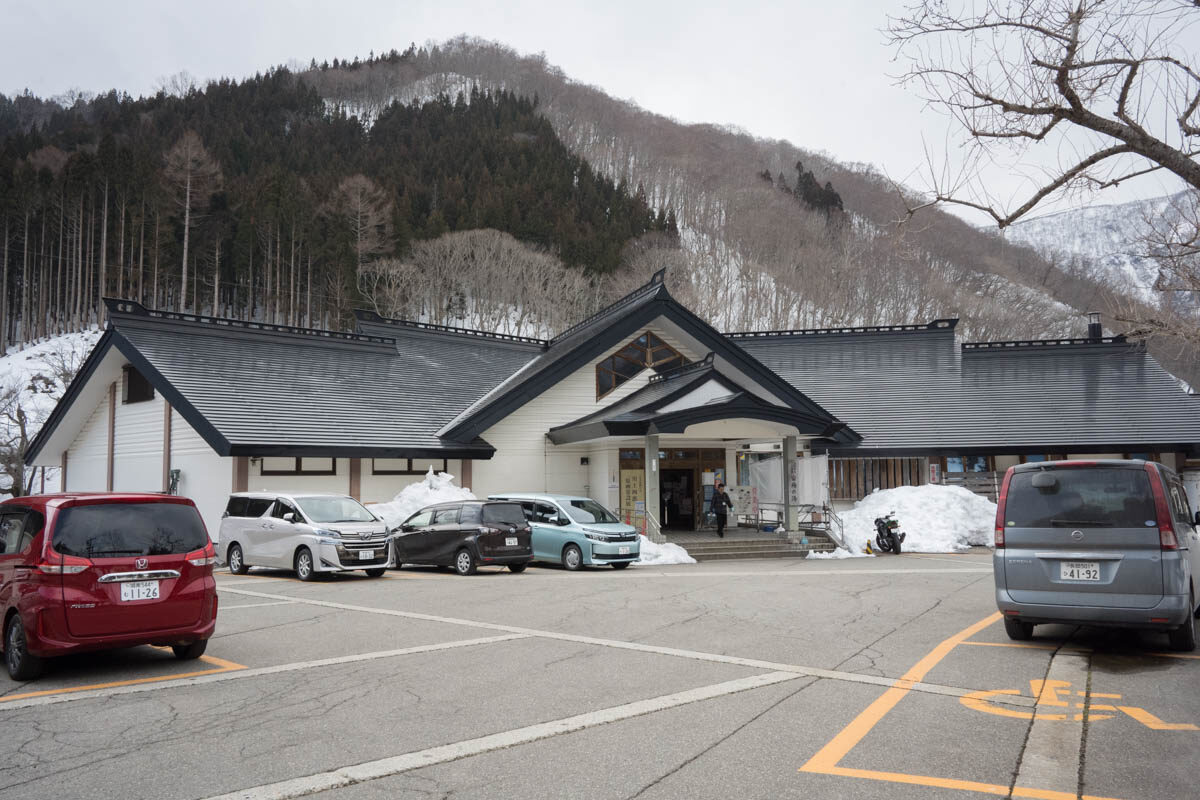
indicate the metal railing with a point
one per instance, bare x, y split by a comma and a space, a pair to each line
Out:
645, 522
809, 517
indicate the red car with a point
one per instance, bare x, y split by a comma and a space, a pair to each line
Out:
82, 572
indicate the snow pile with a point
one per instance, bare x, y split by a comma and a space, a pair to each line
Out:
653, 554
839, 553
936, 519
435, 488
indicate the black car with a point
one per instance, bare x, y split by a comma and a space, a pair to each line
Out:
464, 535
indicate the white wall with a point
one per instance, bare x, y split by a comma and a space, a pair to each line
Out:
137, 446
525, 459
334, 484
204, 476
383, 488
87, 457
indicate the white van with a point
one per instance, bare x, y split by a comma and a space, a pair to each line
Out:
308, 533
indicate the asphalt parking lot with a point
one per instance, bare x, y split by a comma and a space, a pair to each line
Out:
871, 678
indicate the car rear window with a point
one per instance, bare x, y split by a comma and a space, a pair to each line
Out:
247, 506
129, 529
1086, 497
505, 513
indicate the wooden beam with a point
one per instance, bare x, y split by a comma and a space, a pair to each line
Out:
464, 480
356, 478
166, 454
241, 473
62, 478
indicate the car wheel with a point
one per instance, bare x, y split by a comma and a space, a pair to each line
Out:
572, 557
620, 564
1183, 638
304, 565
237, 564
517, 567
895, 540
1017, 630
190, 652
464, 562
375, 573
22, 665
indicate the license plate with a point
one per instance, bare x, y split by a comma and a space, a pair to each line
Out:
622, 551
139, 590
366, 555
510, 541
1080, 571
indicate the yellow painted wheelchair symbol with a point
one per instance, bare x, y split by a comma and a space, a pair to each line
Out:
1056, 701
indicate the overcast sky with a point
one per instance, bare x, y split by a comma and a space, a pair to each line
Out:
816, 74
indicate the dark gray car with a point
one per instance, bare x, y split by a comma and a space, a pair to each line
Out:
1103, 542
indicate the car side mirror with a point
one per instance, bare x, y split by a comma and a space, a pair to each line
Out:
289, 517
1196, 519
562, 521
405, 528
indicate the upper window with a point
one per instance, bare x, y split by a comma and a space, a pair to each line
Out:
134, 387
290, 465
645, 351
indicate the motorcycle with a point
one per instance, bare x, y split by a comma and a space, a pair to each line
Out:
888, 535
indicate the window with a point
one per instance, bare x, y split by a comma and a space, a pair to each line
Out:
257, 506
544, 513
334, 509
407, 466
1094, 497
236, 507
445, 516
645, 351
134, 387
966, 463
589, 511
419, 519
129, 529
290, 465
282, 508
471, 515
18, 526
503, 513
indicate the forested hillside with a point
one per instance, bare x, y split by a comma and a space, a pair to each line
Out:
255, 199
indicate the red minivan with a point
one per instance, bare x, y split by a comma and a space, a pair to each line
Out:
82, 572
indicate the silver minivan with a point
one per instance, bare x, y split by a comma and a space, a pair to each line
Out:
1106, 542
308, 533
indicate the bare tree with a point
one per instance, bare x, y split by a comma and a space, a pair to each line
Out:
1116, 85
367, 212
194, 174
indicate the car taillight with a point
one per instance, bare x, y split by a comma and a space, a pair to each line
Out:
203, 558
1000, 503
70, 565
1166, 528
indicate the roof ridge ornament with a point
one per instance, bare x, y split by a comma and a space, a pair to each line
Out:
655, 283
366, 315
948, 323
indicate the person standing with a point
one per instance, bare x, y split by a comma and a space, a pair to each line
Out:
721, 506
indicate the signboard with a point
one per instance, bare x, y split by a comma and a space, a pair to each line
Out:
935, 473
633, 489
745, 500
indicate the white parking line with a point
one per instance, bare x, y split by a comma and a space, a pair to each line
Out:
52, 699
260, 605
815, 672
382, 768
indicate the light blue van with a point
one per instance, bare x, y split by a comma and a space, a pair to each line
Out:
576, 531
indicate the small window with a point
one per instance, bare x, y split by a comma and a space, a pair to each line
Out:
545, 513
282, 508
445, 516
134, 387
237, 506
645, 351
966, 463
504, 513
18, 526
470, 514
407, 466
290, 465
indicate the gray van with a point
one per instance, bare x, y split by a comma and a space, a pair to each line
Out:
1104, 542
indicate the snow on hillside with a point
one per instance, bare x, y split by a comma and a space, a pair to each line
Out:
31, 382
1107, 235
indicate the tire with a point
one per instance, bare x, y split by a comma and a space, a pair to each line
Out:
1183, 638
895, 542
303, 564
22, 665
572, 557
1017, 630
620, 564
464, 562
375, 573
190, 652
518, 568
883, 543
237, 562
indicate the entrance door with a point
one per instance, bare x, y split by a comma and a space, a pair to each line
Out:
677, 493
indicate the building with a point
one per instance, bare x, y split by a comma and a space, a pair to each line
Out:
642, 405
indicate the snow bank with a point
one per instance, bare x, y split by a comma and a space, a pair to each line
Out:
936, 519
839, 553
435, 488
654, 554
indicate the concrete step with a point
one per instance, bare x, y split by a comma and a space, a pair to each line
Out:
729, 555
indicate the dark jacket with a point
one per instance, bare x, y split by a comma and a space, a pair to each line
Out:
721, 504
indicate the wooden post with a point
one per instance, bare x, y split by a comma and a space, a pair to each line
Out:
166, 464
241, 473
112, 432
464, 480
62, 477
356, 478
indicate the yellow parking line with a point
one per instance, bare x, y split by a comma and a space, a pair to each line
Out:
828, 757
221, 666
1077, 651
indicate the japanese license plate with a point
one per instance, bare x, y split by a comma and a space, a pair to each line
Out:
623, 551
510, 541
139, 590
1079, 570
366, 555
